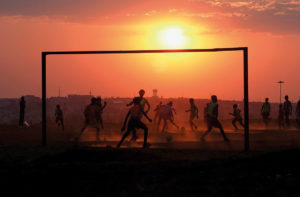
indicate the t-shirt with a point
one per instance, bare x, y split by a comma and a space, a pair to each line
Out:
91, 112
166, 110
237, 113
136, 112
287, 107
266, 108
58, 113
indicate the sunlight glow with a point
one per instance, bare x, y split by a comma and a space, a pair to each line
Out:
173, 37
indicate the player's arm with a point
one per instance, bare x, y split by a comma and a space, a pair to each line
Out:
129, 103
187, 110
103, 105
173, 109
148, 105
197, 112
145, 114
125, 121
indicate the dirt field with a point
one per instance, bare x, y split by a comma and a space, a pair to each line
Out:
181, 167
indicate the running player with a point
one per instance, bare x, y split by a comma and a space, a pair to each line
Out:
213, 118
166, 114
136, 112
193, 114
237, 117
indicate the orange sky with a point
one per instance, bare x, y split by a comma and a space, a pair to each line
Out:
269, 28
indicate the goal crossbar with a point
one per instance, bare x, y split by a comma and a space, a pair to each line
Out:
245, 71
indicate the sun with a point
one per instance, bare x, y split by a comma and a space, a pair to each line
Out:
173, 37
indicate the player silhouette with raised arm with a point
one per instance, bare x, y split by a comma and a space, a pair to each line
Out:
90, 115
143, 102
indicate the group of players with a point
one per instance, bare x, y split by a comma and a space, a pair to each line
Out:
140, 107
284, 113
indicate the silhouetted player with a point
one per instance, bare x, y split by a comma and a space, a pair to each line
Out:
280, 117
100, 111
287, 108
166, 114
136, 112
157, 111
265, 111
298, 114
142, 102
59, 119
237, 117
213, 118
193, 114
90, 115
22, 112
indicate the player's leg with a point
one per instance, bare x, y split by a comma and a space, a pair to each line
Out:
209, 128
241, 122
219, 125
134, 135
233, 123
158, 124
62, 124
165, 124
86, 123
97, 133
141, 125
101, 122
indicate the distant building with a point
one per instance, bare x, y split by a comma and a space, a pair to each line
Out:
155, 93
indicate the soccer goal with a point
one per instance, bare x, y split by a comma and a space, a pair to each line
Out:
245, 78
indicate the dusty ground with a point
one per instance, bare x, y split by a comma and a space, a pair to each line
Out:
182, 167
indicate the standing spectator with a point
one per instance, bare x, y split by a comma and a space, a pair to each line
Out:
287, 108
265, 111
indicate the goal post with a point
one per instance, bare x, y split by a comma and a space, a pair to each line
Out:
245, 71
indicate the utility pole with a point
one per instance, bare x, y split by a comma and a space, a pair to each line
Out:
280, 82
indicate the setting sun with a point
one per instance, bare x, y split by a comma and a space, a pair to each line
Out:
173, 37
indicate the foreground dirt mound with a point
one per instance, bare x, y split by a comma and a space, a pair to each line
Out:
156, 172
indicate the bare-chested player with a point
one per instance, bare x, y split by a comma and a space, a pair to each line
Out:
166, 114
142, 102
136, 112
90, 115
